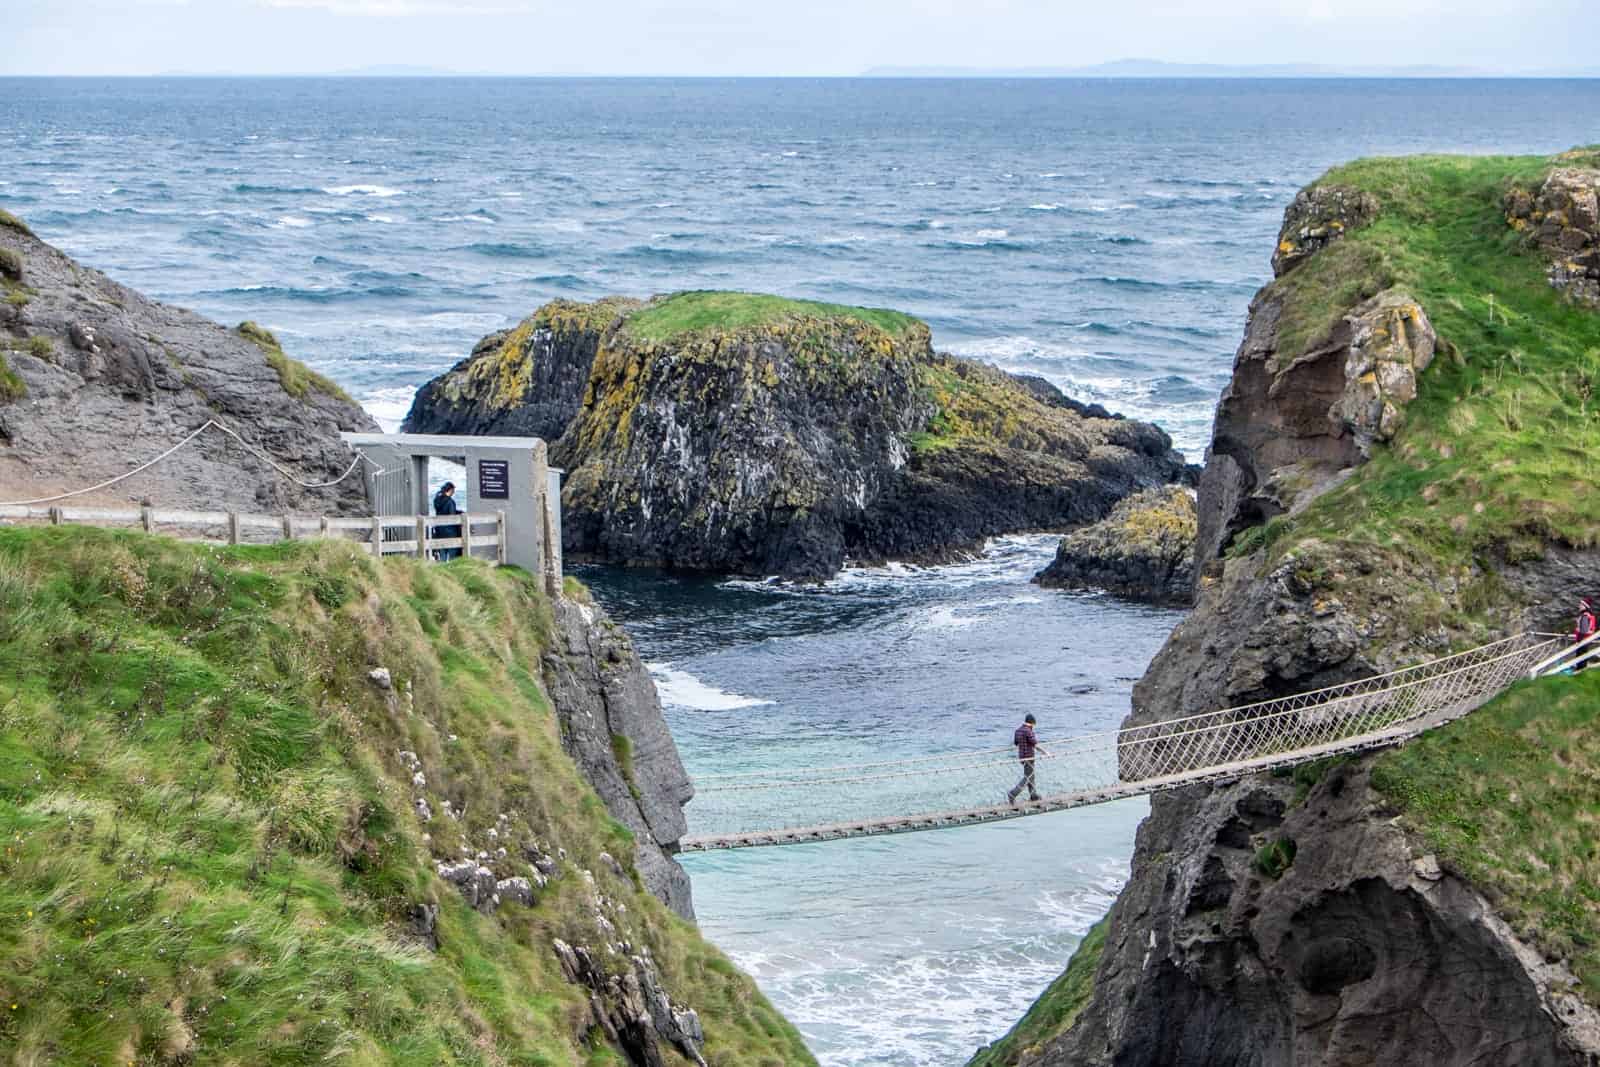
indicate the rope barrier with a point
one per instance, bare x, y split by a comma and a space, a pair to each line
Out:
209, 424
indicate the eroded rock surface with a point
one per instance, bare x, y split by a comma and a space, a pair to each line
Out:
1563, 219
1293, 418
111, 378
1143, 550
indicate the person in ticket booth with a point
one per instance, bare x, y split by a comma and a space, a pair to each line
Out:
444, 503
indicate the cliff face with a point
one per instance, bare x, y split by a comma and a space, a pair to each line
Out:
733, 432
1360, 511
283, 804
95, 377
612, 727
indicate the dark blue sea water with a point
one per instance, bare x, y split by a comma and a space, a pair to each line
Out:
1105, 234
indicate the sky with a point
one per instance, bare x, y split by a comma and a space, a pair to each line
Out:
778, 37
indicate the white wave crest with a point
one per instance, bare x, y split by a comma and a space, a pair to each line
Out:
680, 689
364, 190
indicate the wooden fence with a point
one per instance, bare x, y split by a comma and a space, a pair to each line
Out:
389, 535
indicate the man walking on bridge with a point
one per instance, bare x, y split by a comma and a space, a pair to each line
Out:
1026, 744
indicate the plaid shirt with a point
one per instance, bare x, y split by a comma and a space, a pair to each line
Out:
1025, 741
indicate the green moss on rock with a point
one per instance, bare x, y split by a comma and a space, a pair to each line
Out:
11, 222
10, 264
296, 377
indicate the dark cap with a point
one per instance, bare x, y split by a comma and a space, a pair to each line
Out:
1029, 719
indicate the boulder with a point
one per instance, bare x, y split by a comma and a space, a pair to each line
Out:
1144, 550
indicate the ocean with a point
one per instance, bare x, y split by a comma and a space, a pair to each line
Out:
1105, 234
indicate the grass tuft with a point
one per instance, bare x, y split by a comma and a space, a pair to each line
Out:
12, 387
11, 222
297, 378
700, 311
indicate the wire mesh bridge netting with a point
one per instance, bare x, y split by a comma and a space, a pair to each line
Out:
798, 804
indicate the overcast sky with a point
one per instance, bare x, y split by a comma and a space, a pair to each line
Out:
819, 37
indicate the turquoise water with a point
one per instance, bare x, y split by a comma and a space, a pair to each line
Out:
1105, 234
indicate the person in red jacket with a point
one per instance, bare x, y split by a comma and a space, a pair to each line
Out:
1027, 744
1584, 629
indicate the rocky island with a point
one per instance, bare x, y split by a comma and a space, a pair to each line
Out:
1401, 466
752, 434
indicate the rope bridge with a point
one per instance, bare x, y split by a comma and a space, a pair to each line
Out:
794, 805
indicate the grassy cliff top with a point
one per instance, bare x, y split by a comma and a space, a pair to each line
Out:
672, 316
1500, 450
1509, 798
208, 851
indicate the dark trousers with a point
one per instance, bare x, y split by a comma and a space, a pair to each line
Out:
1027, 782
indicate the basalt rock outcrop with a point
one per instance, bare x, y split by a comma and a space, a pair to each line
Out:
740, 433
1143, 550
1562, 218
95, 378
612, 727
1296, 920
1301, 407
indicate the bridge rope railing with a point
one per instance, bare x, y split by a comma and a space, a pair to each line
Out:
848, 799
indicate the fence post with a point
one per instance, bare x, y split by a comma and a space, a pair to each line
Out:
324, 526
233, 527
377, 537
422, 537
55, 516
500, 545
288, 528
466, 536
147, 518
